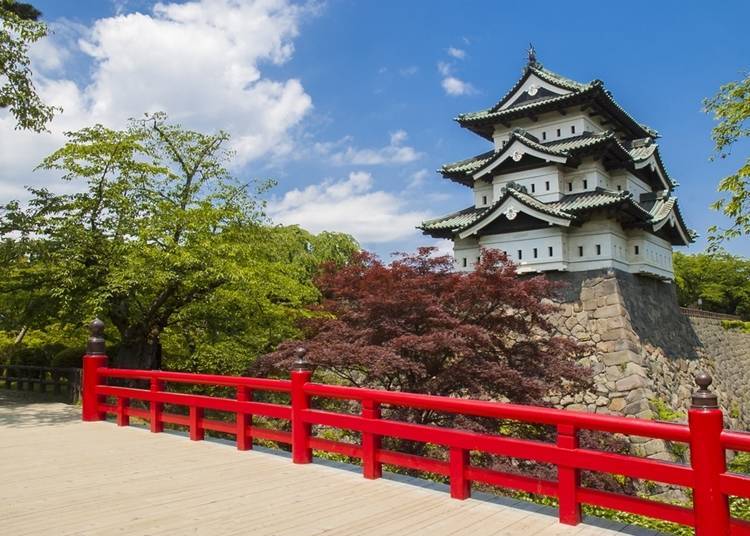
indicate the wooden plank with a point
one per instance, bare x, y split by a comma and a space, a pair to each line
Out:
65, 477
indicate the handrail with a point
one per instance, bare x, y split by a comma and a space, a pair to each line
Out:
198, 379
537, 415
706, 476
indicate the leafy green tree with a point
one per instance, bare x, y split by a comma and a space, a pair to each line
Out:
731, 108
164, 243
721, 282
19, 27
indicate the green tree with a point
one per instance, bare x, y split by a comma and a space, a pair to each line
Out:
720, 281
163, 242
19, 27
731, 108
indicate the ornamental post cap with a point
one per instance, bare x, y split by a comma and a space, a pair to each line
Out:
703, 398
95, 344
301, 363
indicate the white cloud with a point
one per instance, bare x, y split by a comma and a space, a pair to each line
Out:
199, 61
457, 53
417, 178
451, 84
350, 206
444, 247
454, 86
408, 71
444, 68
393, 153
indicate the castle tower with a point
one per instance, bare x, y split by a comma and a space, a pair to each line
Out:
573, 183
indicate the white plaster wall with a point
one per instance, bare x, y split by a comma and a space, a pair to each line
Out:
465, 253
654, 253
628, 181
545, 129
535, 181
589, 176
482, 190
526, 242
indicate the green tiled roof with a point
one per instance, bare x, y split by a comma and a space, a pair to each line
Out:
577, 203
643, 152
453, 222
578, 90
566, 147
662, 208
646, 151
568, 207
468, 165
546, 75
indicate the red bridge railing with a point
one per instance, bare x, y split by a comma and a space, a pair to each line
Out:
706, 476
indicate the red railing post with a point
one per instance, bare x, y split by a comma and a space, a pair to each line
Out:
371, 468
300, 375
708, 461
568, 477
244, 420
123, 419
94, 359
197, 433
155, 408
460, 485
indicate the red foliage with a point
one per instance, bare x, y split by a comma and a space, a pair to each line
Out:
416, 325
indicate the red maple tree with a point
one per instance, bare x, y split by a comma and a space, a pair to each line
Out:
417, 325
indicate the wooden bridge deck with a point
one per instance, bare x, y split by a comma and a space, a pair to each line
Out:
59, 476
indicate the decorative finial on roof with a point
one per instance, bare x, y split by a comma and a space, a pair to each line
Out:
532, 54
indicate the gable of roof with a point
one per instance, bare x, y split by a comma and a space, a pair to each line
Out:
535, 69
645, 153
563, 151
568, 209
595, 94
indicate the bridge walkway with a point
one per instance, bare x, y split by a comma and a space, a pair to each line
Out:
59, 476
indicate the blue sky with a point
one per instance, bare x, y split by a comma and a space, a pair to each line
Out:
349, 105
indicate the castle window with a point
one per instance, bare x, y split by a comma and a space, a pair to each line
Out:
558, 132
484, 199
585, 184
520, 254
580, 251
479, 259
544, 135
637, 250
546, 185
535, 253
572, 129
532, 188
549, 249
465, 262
570, 186
598, 249
619, 188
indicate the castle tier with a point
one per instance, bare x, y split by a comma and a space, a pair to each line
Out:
573, 183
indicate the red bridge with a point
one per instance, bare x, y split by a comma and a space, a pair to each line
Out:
707, 477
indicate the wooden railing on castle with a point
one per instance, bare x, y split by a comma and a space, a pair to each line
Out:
706, 476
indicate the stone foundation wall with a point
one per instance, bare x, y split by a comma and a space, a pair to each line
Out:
644, 353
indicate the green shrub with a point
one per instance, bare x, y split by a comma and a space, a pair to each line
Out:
68, 358
739, 325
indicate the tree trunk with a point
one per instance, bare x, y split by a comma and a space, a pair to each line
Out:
21, 335
139, 352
